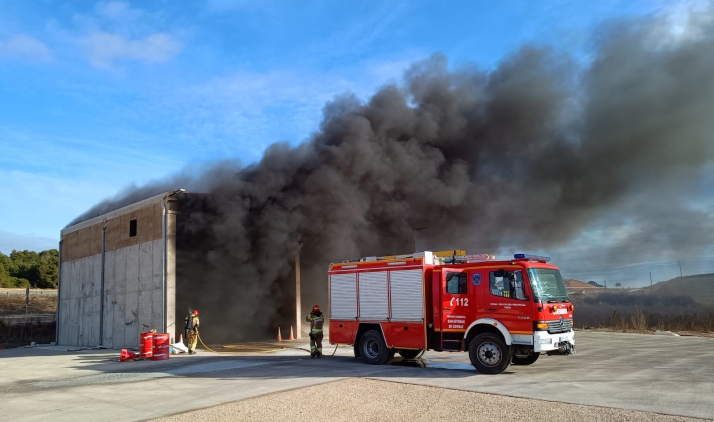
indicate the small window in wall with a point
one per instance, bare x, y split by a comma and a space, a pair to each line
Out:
132, 228
507, 284
456, 283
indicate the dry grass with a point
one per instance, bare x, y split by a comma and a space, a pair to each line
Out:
15, 304
642, 312
644, 319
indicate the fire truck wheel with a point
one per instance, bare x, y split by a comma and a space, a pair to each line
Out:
373, 349
525, 361
489, 354
410, 354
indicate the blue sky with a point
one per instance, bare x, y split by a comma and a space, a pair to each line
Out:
95, 96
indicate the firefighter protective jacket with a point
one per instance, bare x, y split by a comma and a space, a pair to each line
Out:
192, 322
316, 320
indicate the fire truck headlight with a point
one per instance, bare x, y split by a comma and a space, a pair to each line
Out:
546, 341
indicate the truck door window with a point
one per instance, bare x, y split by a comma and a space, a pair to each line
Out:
507, 284
456, 283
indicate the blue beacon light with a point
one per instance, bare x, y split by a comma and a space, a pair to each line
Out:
531, 257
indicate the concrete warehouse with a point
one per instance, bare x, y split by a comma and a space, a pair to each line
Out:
121, 273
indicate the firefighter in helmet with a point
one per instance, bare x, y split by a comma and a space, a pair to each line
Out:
316, 319
191, 330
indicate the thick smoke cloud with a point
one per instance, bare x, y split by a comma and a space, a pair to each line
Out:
529, 153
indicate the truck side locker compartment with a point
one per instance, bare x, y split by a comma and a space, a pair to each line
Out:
343, 332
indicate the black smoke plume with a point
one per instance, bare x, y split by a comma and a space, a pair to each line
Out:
529, 153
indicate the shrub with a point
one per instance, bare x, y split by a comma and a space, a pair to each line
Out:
672, 318
639, 300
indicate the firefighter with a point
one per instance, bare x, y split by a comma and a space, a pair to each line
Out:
191, 330
316, 320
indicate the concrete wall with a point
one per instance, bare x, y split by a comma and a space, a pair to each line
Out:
79, 310
133, 294
134, 291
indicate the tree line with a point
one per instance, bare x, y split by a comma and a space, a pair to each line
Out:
29, 268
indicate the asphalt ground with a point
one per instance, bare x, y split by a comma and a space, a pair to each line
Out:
665, 375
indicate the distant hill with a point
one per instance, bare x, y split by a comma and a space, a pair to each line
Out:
700, 287
577, 284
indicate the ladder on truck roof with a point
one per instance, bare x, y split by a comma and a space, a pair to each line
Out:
441, 257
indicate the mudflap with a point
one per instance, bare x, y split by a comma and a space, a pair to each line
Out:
564, 348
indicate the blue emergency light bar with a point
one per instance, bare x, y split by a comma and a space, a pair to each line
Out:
531, 257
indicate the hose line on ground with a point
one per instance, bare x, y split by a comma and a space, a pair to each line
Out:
229, 346
266, 351
204, 344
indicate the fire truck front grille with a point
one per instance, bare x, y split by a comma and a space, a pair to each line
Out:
557, 326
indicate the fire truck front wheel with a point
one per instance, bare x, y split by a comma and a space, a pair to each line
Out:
529, 360
373, 349
489, 354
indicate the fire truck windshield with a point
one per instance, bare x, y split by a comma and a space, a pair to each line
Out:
547, 285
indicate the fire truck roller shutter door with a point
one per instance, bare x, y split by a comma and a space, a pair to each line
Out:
343, 296
373, 296
508, 339
407, 296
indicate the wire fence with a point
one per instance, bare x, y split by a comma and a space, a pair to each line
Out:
27, 319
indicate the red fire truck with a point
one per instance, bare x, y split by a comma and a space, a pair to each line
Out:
499, 311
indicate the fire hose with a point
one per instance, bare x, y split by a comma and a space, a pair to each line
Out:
266, 351
204, 344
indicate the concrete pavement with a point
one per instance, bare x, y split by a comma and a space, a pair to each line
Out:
364, 399
669, 375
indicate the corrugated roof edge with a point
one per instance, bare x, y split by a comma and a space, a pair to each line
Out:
115, 213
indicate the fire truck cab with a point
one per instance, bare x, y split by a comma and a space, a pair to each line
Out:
501, 312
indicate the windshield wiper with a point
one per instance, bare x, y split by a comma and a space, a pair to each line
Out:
551, 298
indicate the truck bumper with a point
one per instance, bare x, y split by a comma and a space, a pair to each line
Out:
557, 343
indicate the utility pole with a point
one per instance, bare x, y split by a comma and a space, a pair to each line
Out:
298, 299
650, 281
680, 268
605, 281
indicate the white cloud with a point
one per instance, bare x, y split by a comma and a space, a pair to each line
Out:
116, 10
104, 49
13, 241
25, 47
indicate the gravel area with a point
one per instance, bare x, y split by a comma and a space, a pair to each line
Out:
360, 399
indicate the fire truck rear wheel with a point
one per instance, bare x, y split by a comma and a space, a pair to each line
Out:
525, 361
489, 354
373, 349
